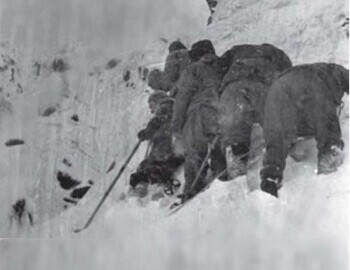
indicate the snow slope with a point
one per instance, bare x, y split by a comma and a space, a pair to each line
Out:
225, 227
110, 101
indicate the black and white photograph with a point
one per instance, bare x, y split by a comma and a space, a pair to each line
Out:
174, 135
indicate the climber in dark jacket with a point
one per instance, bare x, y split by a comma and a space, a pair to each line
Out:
303, 101
176, 62
160, 164
251, 70
195, 117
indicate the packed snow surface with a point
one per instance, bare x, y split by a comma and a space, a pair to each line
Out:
225, 227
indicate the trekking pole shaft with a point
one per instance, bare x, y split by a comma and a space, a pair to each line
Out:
204, 162
112, 184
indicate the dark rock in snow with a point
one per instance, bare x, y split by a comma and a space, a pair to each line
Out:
91, 182
212, 7
68, 200
345, 25
12, 77
164, 40
3, 68
67, 162
75, 118
140, 72
19, 88
66, 181
14, 142
58, 65
145, 74
112, 63
79, 193
48, 111
37, 67
19, 207
19, 210
126, 76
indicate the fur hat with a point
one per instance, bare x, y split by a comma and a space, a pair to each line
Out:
176, 45
201, 48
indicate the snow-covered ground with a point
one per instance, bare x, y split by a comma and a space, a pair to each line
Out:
226, 227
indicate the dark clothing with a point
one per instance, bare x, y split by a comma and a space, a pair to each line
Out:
153, 171
244, 89
176, 62
201, 48
195, 117
198, 88
241, 104
303, 101
254, 62
161, 163
176, 45
158, 130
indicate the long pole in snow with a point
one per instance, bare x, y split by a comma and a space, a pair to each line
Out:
91, 218
204, 163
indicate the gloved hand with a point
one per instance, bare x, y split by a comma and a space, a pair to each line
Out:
142, 135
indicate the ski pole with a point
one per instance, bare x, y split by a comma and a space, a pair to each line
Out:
204, 162
110, 188
147, 150
180, 205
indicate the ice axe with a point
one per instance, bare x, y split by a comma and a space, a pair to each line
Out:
88, 222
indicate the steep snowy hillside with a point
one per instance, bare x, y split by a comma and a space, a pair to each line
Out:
79, 111
306, 31
76, 101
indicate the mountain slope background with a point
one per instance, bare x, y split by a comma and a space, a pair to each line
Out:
77, 100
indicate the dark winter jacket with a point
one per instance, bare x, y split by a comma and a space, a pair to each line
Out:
158, 131
258, 63
176, 62
334, 77
159, 125
198, 86
303, 101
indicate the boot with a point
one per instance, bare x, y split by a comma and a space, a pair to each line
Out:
141, 190
330, 161
137, 178
271, 178
270, 186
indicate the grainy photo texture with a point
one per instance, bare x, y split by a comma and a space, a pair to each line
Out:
174, 134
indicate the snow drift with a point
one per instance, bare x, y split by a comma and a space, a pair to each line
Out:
226, 227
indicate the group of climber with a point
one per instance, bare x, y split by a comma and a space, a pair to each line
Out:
205, 105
